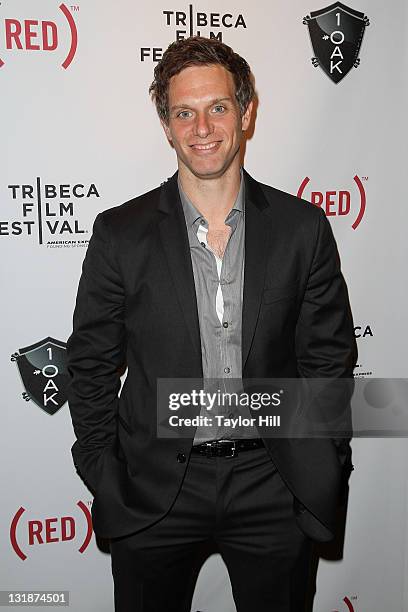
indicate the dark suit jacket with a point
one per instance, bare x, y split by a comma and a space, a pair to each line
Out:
136, 304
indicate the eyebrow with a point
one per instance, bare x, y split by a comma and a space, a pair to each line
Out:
211, 103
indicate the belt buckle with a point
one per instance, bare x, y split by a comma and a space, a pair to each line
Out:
234, 450
208, 449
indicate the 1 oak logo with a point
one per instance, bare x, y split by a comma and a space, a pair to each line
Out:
336, 33
40, 35
44, 373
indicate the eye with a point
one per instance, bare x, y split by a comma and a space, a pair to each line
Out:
219, 108
185, 114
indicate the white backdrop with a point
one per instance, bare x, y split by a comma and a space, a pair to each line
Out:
92, 124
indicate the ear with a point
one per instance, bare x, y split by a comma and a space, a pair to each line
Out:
166, 130
246, 117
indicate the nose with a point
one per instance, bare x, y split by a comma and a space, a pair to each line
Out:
203, 125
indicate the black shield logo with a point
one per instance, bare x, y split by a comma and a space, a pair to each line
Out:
43, 370
336, 33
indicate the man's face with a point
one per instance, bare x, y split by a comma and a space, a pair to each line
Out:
205, 125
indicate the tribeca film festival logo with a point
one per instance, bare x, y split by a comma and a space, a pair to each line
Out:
363, 332
56, 34
43, 370
27, 533
191, 22
338, 202
336, 33
48, 213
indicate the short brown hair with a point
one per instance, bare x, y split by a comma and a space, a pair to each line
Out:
194, 51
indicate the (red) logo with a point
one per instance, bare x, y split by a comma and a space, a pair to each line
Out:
349, 605
338, 202
48, 530
41, 35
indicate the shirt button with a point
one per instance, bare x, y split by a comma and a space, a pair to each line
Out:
202, 244
227, 370
225, 324
181, 458
202, 221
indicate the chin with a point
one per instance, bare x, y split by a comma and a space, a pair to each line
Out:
210, 171
209, 174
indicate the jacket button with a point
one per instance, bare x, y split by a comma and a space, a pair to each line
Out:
181, 458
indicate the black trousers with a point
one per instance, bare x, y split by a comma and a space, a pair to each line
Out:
240, 503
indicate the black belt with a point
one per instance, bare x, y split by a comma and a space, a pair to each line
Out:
226, 448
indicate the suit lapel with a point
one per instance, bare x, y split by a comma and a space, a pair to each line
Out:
174, 238
256, 243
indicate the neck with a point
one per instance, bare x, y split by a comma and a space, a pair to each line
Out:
213, 197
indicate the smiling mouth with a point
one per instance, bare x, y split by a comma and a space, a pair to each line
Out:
205, 147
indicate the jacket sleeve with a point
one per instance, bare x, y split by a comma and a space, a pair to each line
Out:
95, 353
325, 343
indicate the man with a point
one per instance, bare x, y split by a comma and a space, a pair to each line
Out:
210, 275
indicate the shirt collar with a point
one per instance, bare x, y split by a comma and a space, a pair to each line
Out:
192, 214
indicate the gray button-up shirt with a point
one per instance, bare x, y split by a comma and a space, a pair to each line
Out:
219, 289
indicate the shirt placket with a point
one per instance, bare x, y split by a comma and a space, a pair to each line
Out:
224, 306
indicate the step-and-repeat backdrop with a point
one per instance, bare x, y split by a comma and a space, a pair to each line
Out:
79, 134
